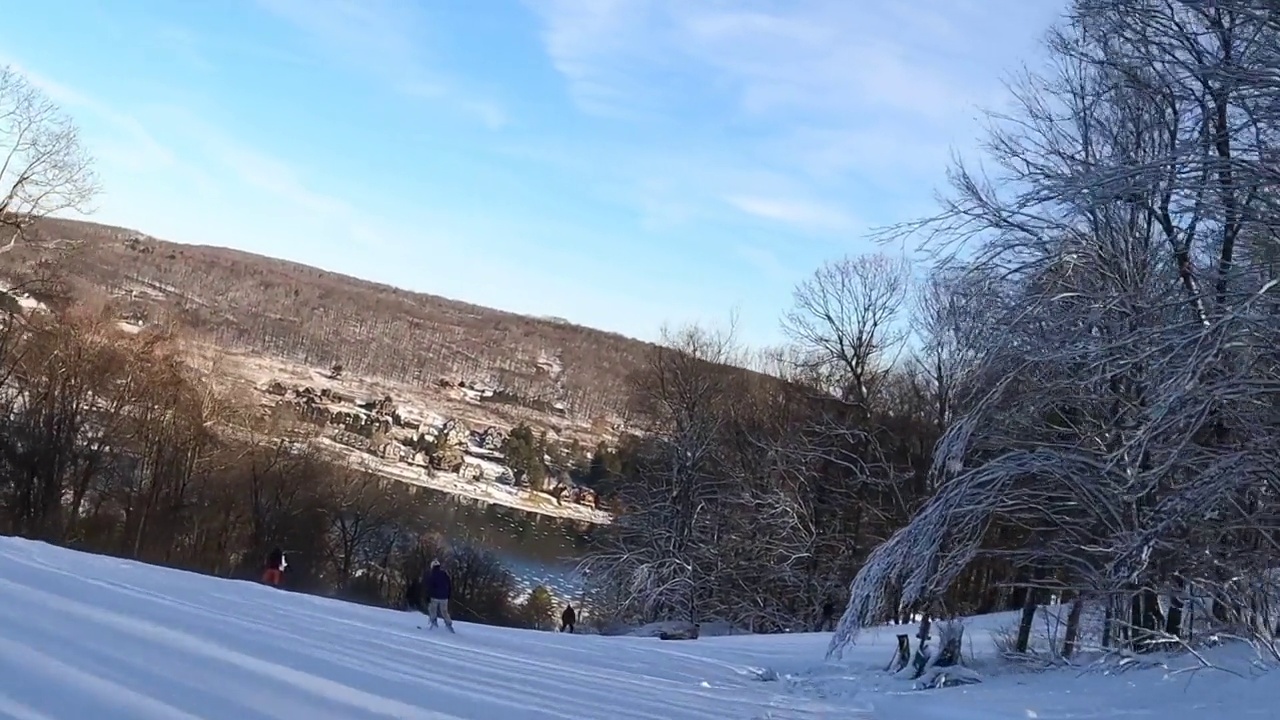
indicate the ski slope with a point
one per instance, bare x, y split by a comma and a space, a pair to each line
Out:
84, 636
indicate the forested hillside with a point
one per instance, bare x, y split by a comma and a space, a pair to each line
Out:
321, 318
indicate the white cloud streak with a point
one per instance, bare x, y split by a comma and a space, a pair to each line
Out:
127, 145
384, 38
822, 92
800, 213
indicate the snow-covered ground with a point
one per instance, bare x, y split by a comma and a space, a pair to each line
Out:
25, 301
85, 636
477, 489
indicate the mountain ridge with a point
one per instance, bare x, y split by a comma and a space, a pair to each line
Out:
322, 318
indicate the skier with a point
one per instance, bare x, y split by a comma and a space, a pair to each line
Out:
439, 587
567, 619
273, 571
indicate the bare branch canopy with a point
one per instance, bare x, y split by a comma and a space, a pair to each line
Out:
46, 169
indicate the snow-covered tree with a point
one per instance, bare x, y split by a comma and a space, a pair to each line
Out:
1127, 445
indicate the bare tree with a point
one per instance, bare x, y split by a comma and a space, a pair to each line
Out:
846, 316
364, 519
655, 551
848, 323
46, 170
953, 316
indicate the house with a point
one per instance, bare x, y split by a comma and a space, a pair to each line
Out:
470, 471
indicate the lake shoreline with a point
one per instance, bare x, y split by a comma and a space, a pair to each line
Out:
482, 490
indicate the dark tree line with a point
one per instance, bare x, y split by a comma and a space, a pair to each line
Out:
116, 443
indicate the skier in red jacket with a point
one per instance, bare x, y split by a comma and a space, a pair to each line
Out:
273, 571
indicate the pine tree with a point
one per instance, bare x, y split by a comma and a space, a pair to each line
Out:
539, 609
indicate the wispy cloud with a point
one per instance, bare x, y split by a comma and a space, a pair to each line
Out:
813, 56
272, 176
604, 50
133, 143
767, 262
489, 112
800, 213
824, 58
126, 143
384, 38
182, 43
824, 92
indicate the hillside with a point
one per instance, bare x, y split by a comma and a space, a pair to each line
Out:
317, 318
94, 636
406, 385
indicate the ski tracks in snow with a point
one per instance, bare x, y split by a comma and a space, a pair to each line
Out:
90, 636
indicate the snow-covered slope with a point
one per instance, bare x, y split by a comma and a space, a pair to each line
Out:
84, 636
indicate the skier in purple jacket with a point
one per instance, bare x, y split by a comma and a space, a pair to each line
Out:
439, 588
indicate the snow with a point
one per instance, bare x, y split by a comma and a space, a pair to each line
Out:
29, 303
483, 490
156, 289
23, 298
487, 469
92, 636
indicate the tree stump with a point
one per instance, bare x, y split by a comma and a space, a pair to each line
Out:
903, 654
945, 668
950, 639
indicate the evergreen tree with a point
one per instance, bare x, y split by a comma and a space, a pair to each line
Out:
524, 452
539, 609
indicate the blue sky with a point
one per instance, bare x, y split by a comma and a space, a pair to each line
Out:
620, 163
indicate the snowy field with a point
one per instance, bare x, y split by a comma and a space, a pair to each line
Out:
93, 637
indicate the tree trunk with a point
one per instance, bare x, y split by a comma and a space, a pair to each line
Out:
1018, 595
1029, 606
1145, 619
1073, 628
950, 644
903, 655
1024, 625
1107, 624
1173, 622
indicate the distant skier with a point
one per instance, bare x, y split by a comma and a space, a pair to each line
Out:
439, 587
567, 619
273, 570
